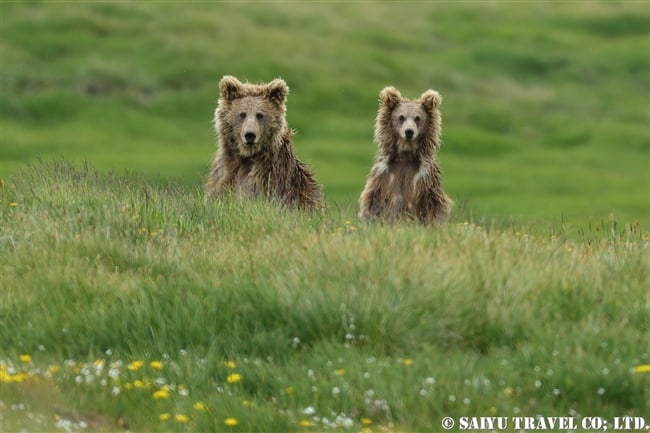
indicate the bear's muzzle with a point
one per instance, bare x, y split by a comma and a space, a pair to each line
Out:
249, 138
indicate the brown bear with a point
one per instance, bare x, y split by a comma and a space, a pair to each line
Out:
405, 179
254, 154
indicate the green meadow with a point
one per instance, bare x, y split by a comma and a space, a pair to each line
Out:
130, 302
545, 111
129, 306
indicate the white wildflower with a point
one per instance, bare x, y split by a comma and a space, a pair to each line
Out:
309, 411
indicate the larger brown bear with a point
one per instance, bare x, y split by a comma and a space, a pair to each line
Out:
254, 153
405, 180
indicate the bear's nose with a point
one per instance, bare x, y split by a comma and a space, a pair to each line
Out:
408, 133
250, 138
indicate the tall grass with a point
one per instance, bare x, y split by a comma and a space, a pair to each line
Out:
284, 321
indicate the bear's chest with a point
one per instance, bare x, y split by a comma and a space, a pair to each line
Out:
251, 179
401, 194
245, 183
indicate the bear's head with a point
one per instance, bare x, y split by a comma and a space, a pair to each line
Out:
408, 126
251, 117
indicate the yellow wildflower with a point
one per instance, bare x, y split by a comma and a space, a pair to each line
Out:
643, 368
366, 421
289, 390
128, 386
164, 416
182, 418
339, 372
306, 423
230, 364
138, 383
234, 378
5, 377
26, 358
366, 430
199, 405
161, 393
408, 361
13, 204
508, 392
156, 364
53, 369
135, 365
20, 377
230, 422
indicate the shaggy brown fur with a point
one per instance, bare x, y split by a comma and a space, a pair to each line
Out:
405, 179
254, 153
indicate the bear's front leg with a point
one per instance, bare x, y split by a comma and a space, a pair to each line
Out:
220, 178
370, 202
433, 205
367, 206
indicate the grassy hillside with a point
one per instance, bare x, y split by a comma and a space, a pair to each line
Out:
130, 305
545, 104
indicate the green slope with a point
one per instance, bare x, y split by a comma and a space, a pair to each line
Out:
545, 104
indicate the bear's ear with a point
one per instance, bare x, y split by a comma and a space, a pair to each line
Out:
431, 99
230, 88
277, 91
390, 97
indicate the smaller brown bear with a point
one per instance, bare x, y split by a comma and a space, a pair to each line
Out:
254, 155
405, 179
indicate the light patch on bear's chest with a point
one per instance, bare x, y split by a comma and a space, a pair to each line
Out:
380, 167
421, 174
245, 187
397, 201
245, 182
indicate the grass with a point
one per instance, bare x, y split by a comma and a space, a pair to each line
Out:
545, 105
135, 305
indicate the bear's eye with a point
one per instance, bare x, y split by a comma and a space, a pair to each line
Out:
401, 118
242, 115
259, 116
417, 118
